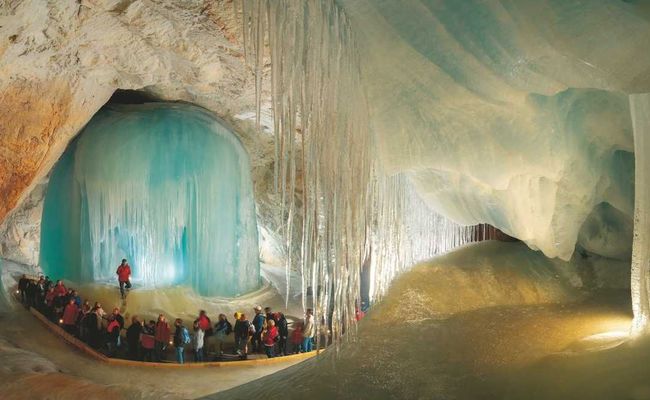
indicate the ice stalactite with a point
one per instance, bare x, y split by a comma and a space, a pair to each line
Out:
166, 186
322, 146
640, 284
341, 213
404, 231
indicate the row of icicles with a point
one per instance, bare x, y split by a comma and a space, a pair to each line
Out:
340, 211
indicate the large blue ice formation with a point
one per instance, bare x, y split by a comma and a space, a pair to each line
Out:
164, 185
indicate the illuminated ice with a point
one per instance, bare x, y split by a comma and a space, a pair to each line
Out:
166, 186
640, 105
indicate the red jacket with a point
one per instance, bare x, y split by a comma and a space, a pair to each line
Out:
147, 341
162, 332
123, 272
296, 336
60, 290
113, 325
271, 334
70, 314
204, 323
49, 297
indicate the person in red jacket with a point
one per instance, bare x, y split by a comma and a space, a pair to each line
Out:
148, 341
161, 336
206, 326
59, 289
204, 322
70, 314
296, 338
270, 336
124, 276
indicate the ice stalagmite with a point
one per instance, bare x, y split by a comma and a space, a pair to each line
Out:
640, 108
166, 186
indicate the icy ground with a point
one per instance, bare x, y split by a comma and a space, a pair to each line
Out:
490, 321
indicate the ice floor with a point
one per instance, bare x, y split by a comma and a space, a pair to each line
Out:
536, 336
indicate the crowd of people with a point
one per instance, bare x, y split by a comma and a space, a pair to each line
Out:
267, 332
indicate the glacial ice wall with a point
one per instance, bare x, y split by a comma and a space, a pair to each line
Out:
166, 186
512, 113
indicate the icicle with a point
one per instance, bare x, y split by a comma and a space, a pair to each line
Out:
405, 231
314, 80
640, 284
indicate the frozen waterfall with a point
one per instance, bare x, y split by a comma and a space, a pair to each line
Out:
166, 186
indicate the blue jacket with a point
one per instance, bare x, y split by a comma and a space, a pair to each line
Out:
258, 322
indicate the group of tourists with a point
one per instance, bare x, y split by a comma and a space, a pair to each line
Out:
267, 332
64, 306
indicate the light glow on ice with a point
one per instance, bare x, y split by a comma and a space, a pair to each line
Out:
165, 186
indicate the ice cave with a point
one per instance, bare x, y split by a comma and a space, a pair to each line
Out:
325, 199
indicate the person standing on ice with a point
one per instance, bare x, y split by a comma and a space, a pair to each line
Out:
198, 340
243, 331
59, 289
22, 288
70, 314
259, 321
308, 331
181, 339
162, 334
269, 338
221, 330
123, 276
133, 338
283, 331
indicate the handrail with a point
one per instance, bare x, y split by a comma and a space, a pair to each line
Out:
80, 345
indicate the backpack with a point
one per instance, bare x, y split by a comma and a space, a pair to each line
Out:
228, 328
185, 336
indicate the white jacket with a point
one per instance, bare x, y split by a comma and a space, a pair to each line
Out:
308, 330
197, 339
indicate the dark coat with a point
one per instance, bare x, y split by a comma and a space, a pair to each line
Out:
133, 334
283, 326
241, 329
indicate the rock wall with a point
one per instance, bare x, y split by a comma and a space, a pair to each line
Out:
20, 232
